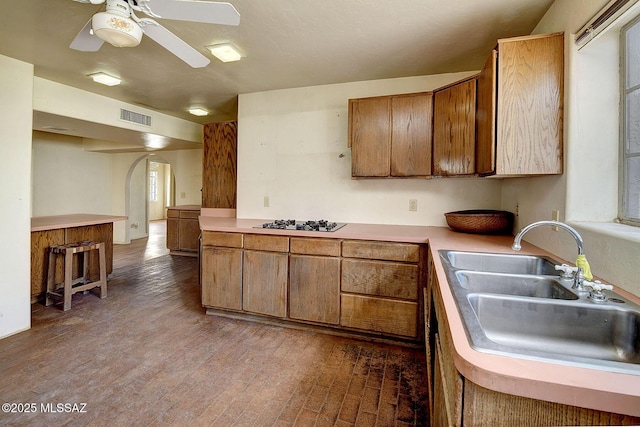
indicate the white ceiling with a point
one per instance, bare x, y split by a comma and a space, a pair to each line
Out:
287, 43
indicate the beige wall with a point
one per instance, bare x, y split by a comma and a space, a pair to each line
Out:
67, 179
16, 87
292, 148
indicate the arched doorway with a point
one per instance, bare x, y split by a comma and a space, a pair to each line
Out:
149, 188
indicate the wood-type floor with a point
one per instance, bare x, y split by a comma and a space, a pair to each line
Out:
147, 355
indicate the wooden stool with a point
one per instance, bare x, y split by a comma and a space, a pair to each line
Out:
70, 286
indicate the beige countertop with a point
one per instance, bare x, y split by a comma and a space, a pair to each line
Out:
391, 233
43, 223
577, 386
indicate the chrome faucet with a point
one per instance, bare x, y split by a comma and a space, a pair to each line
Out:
516, 242
582, 265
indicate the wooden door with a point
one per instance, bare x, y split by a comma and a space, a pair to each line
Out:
370, 136
314, 288
411, 134
486, 117
222, 278
454, 130
264, 283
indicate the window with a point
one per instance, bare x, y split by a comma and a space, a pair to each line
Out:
630, 132
153, 186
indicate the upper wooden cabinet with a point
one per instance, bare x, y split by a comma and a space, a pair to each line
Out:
390, 136
454, 130
520, 105
219, 165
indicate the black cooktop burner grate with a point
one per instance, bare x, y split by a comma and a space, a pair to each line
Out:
292, 224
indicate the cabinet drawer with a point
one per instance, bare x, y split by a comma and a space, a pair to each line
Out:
379, 315
313, 246
215, 238
405, 252
173, 213
262, 242
190, 214
380, 278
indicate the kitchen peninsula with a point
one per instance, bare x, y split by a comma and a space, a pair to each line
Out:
479, 388
61, 229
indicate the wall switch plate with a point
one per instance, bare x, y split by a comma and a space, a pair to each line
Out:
266, 201
183, 194
413, 205
555, 216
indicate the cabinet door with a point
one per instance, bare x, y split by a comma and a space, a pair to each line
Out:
189, 230
314, 289
411, 135
529, 105
380, 278
389, 316
486, 117
454, 137
264, 283
370, 136
173, 225
441, 415
222, 278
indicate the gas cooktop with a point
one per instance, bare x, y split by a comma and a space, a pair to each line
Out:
292, 224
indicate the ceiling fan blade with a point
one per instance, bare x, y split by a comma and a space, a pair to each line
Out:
173, 43
85, 41
195, 11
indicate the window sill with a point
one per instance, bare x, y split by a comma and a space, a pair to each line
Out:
611, 229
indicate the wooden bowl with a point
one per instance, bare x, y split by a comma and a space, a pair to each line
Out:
480, 221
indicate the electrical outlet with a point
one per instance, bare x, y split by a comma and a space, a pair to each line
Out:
266, 201
413, 205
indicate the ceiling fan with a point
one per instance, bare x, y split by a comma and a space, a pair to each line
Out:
119, 26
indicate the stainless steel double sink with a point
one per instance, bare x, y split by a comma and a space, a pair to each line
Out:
520, 306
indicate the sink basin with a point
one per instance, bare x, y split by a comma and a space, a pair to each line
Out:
518, 306
501, 263
605, 333
514, 284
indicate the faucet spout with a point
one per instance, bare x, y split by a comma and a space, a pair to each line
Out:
517, 240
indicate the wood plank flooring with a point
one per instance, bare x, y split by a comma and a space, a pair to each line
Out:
148, 355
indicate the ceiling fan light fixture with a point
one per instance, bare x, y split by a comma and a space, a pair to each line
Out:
225, 52
117, 30
197, 111
105, 79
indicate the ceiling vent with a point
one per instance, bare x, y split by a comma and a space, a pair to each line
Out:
133, 117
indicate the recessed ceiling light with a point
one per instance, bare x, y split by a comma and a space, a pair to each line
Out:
198, 111
225, 52
105, 79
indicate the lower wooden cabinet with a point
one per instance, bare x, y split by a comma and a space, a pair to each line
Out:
364, 286
264, 283
222, 278
314, 289
183, 230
